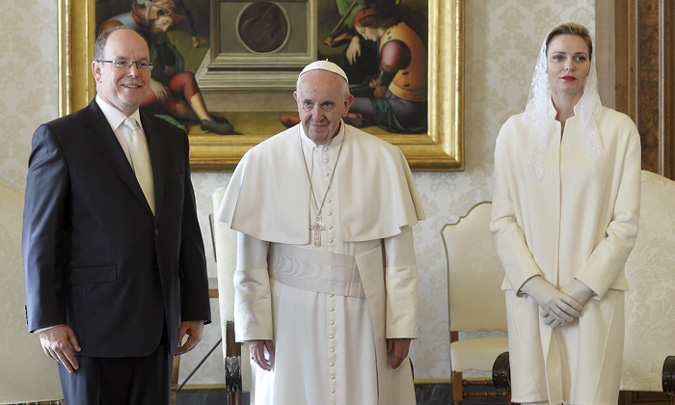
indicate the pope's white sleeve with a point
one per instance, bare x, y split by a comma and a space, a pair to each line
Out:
401, 284
252, 294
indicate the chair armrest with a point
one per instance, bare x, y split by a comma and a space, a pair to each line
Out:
501, 372
668, 375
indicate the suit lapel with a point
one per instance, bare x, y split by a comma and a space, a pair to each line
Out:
102, 136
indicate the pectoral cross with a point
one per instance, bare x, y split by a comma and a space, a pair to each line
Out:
317, 228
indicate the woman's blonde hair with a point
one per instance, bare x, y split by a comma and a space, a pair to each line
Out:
572, 28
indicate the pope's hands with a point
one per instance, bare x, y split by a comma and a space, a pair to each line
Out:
257, 349
58, 343
559, 307
398, 349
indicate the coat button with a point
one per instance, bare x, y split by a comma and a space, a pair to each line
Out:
156, 232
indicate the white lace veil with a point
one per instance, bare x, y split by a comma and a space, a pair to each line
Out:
539, 119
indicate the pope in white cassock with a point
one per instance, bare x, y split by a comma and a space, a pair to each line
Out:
326, 279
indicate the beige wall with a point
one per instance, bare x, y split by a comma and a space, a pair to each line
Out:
502, 39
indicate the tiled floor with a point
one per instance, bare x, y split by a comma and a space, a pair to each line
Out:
427, 394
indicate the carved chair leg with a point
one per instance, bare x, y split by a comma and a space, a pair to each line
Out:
457, 388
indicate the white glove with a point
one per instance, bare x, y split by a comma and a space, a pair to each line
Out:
579, 291
560, 307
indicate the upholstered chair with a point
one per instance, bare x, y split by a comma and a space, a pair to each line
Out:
476, 302
650, 270
26, 374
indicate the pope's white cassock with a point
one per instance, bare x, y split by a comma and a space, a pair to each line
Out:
328, 300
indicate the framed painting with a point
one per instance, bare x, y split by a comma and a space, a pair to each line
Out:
440, 148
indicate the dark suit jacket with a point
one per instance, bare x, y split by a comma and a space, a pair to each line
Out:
95, 257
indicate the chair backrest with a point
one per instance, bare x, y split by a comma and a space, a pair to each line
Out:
650, 270
225, 249
475, 274
26, 374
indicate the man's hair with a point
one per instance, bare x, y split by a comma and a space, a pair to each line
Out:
571, 28
102, 40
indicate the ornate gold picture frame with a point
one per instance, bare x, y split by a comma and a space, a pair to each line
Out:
442, 149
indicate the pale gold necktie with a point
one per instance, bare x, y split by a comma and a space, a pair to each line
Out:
140, 160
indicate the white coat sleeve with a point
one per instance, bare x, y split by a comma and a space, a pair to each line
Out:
609, 257
517, 260
401, 285
252, 294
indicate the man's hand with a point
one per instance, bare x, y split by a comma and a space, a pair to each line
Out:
399, 349
559, 306
58, 343
257, 349
194, 331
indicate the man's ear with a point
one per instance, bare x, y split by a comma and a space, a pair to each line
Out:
96, 71
348, 103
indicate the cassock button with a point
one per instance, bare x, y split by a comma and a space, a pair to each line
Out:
156, 232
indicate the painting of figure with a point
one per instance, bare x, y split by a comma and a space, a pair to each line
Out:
381, 45
175, 94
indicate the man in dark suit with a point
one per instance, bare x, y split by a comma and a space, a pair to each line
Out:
113, 254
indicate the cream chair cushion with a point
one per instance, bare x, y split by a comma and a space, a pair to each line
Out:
650, 270
26, 374
477, 353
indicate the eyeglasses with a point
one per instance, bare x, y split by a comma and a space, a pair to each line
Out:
308, 106
120, 64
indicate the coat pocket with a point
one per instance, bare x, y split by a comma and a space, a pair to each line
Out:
98, 274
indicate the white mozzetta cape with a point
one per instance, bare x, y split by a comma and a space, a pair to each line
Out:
268, 196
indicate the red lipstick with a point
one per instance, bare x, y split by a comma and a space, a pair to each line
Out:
569, 78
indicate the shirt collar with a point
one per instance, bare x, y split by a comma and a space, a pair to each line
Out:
114, 116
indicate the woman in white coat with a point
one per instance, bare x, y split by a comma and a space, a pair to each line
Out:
565, 217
